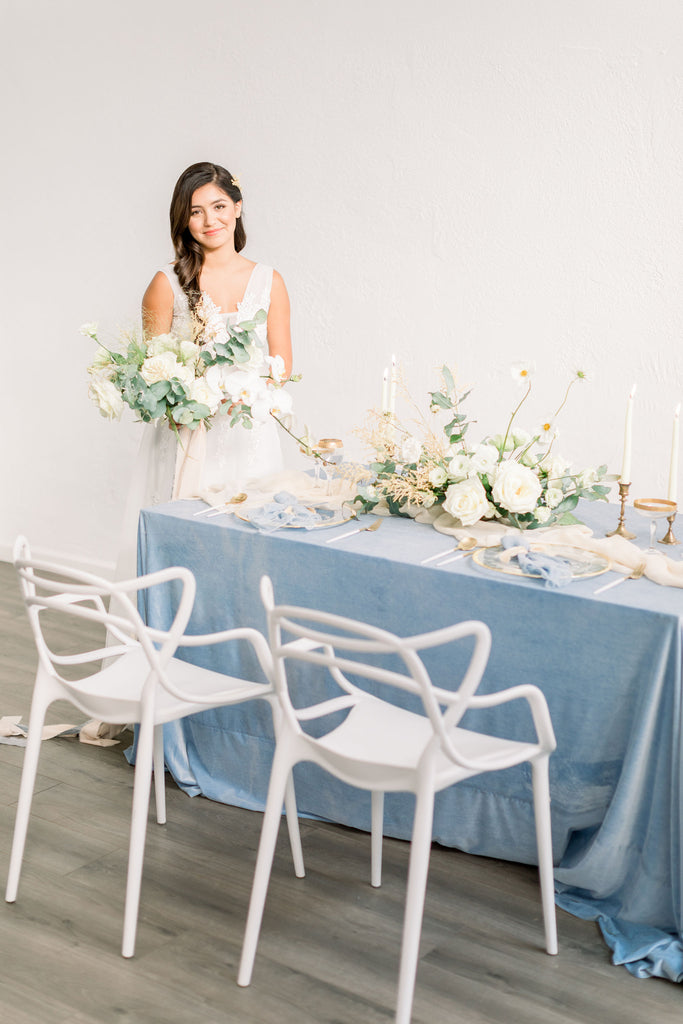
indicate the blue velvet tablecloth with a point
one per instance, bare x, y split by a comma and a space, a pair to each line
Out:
609, 665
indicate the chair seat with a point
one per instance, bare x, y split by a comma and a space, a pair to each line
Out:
385, 740
126, 676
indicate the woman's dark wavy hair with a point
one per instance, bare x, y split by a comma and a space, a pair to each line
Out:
189, 253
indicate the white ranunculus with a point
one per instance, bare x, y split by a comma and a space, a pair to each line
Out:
543, 514
89, 330
164, 367
516, 488
411, 449
484, 458
467, 501
553, 497
587, 477
438, 476
162, 343
556, 467
106, 396
459, 467
201, 391
520, 437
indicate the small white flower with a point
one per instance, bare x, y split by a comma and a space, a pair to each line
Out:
556, 467
522, 372
280, 401
277, 368
89, 330
459, 467
411, 449
427, 499
516, 488
107, 397
484, 458
547, 432
586, 478
438, 476
553, 497
467, 501
102, 365
520, 437
542, 514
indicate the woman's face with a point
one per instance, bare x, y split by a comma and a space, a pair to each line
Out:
213, 217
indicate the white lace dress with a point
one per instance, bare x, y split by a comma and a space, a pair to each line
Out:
233, 456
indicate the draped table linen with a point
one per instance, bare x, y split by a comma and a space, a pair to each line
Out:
609, 665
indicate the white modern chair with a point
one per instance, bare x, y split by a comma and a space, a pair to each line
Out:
141, 682
383, 748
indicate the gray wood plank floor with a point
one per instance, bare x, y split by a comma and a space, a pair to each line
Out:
330, 943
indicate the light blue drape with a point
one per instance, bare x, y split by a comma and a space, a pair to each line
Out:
609, 665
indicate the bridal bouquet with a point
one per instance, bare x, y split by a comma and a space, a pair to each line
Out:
187, 380
514, 477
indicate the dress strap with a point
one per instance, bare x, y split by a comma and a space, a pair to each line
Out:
257, 295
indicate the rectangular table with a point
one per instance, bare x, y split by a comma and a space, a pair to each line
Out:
609, 665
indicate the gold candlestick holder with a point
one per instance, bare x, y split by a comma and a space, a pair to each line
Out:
669, 537
621, 530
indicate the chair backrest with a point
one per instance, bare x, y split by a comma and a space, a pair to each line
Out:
341, 646
50, 586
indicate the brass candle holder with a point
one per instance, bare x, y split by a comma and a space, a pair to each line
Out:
669, 537
621, 530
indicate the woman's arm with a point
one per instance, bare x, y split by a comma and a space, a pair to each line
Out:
157, 306
279, 335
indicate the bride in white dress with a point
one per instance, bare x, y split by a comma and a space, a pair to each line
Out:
207, 230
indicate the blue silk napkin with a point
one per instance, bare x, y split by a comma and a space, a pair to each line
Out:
554, 570
286, 510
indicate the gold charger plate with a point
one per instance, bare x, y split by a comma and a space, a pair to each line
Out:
582, 563
337, 518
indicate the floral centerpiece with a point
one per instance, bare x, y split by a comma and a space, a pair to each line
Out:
514, 477
187, 380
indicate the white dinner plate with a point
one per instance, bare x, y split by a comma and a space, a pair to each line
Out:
582, 563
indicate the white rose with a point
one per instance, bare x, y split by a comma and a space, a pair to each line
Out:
542, 514
411, 449
467, 501
438, 476
553, 497
107, 397
201, 391
459, 467
484, 458
164, 367
162, 343
516, 488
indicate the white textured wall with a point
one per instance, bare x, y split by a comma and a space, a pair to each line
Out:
461, 181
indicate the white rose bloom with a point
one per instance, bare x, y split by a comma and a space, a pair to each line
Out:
107, 397
516, 488
164, 367
467, 501
484, 458
438, 476
201, 391
459, 467
553, 497
411, 449
542, 514
188, 353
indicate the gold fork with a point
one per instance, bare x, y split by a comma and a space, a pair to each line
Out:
634, 575
359, 529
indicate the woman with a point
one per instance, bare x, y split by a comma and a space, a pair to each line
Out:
207, 230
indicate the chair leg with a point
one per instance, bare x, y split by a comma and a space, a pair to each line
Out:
28, 779
420, 849
159, 775
280, 774
376, 838
138, 830
545, 851
293, 828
